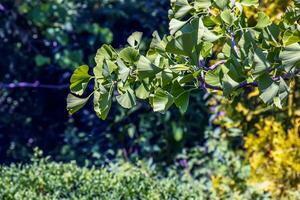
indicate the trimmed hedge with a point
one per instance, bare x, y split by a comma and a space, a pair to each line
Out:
49, 180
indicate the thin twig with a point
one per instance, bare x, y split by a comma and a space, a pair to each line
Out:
36, 85
214, 66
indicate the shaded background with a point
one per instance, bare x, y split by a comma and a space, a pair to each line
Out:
41, 42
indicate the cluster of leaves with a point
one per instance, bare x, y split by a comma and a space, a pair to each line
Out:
41, 41
81, 26
264, 54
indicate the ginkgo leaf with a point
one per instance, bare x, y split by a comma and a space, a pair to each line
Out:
124, 71
268, 88
134, 39
262, 20
162, 100
222, 3
102, 102
227, 17
129, 55
202, 4
290, 56
79, 80
212, 77
179, 68
181, 97
146, 69
175, 25
142, 92
228, 84
260, 61
182, 7
127, 100
291, 37
75, 103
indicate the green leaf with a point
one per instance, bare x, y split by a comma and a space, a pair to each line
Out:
290, 56
210, 36
181, 97
176, 25
127, 100
134, 39
75, 103
162, 100
269, 93
228, 84
202, 4
260, 61
187, 78
263, 20
102, 101
268, 89
146, 69
79, 80
227, 17
182, 45
250, 2
157, 43
111, 66
206, 49
291, 37
212, 77
222, 4
124, 71
182, 7
105, 52
129, 55
106, 69
141, 92
166, 77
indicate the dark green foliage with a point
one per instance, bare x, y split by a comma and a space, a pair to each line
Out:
48, 180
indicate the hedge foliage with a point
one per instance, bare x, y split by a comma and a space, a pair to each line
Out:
43, 180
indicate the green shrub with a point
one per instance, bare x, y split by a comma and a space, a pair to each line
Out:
48, 180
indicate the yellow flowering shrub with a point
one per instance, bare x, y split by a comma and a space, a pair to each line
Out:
271, 136
274, 157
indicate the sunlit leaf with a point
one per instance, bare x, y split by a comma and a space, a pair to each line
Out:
263, 20
79, 80
134, 39
146, 69
127, 100
162, 100
290, 56
75, 103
